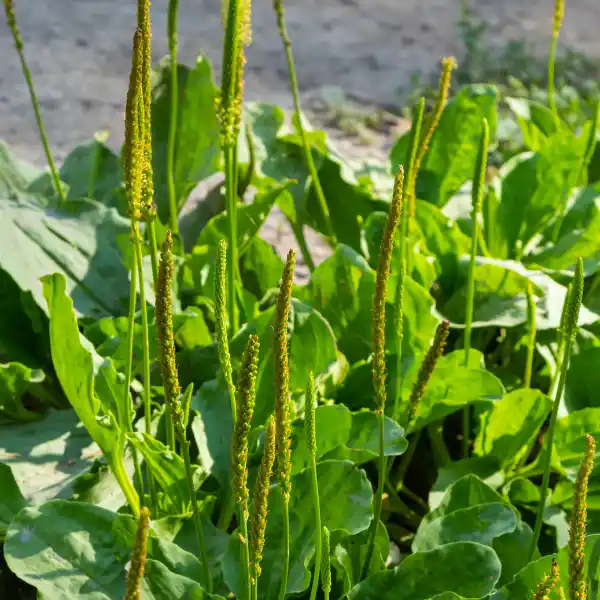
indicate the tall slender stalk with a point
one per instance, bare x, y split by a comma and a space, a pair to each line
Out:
559, 13
477, 199
260, 506
170, 376
237, 34
282, 408
239, 452
531, 330
378, 332
11, 20
134, 167
415, 138
128, 371
573, 305
310, 163
310, 429
174, 105
326, 566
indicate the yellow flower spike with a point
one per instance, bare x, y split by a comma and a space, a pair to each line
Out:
545, 587
577, 534
383, 273
138, 557
326, 564
245, 402
260, 502
435, 352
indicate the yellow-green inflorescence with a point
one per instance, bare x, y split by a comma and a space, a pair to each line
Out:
383, 273
138, 557
258, 521
435, 352
166, 338
282, 378
577, 531
221, 321
309, 416
245, 409
545, 587
326, 563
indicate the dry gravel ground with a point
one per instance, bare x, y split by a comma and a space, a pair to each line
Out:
78, 51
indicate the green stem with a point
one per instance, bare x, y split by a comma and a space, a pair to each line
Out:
146, 358
185, 448
128, 371
548, 441
318, 528
301, 240
173, 116
438, 445
406, 459
312, 169
286, 549
245, 558
378, 500
38, 114
118, 470
551, 92
231, 204
531, 327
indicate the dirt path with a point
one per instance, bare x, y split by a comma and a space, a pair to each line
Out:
79, 52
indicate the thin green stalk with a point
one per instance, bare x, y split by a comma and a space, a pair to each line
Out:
311, 442
185, 448
231, 206
404, 227
378, 368
573, 306
477, 198
138, 557
131, 496
172, 35
245, 566
301, 239
326, 565
128, 370
559, 9
438, 445
310, 163
14, 28
286, 549
531, 329
146, 358
406, 459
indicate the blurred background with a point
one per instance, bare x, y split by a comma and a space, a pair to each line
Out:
359, 62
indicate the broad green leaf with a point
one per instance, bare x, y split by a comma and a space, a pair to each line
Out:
92, 170
500, 297
250, 218
513, 551
582, 378
453, 386
525, 582
15, 381
167, 468
72, 550
47, 456
570, 434
482, 524
341, 434
261, 268
510, 428
82, 239
345, 497
213, 429
197, 143
11, 499
532, 189
465, 568
450, 160
535, 120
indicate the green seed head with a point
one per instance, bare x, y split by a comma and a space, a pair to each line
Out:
282, 377
166, 338
559, 15
11, 21
258, 521
221, 313
245, 410
575, 300
577, 530
309, 416
383, 273
138, 557
426, 369
326, 562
